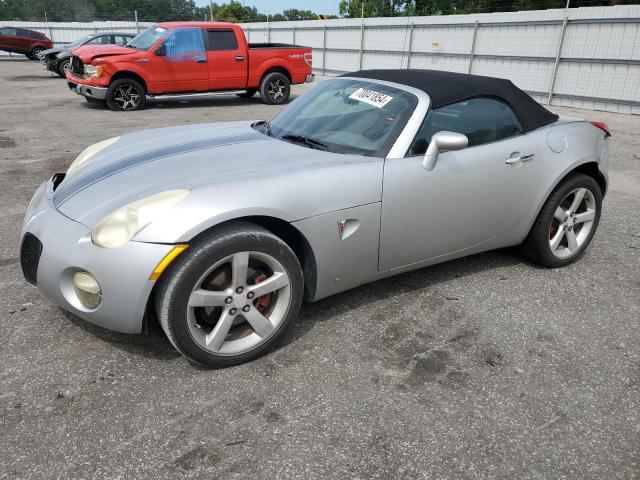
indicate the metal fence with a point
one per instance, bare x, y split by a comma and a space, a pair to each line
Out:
585, 57
62, 33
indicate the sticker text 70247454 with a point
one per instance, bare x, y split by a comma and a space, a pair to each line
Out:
371, 97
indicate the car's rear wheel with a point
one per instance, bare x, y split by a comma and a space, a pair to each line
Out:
566, 224
63, 67
230, 295
126, 94
36, 53
248, 94
275, 88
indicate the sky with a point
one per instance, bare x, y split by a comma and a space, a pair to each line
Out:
328, 7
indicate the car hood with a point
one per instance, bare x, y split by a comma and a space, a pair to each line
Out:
222, 157
52, 52
87, 53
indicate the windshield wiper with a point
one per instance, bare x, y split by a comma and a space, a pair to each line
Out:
310, 142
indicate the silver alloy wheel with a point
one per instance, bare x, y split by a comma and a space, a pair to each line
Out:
127, 97
66, 66
572, 222
37, 52
227, 313
276, 89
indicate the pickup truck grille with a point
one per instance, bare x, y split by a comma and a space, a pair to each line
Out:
77, 67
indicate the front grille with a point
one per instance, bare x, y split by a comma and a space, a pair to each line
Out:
77, 67
30, 251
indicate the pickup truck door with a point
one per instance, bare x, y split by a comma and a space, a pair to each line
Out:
227, 60
471, 197
180, 63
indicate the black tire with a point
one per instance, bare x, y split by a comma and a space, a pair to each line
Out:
185, 273
248, 94
35, 52
118, 102
275, 88
30, 57
62, 67
536, 246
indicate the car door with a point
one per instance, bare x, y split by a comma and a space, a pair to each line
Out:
99, 40
228, 66
120, 39
24, 40
8, 38
472, 196
180, 63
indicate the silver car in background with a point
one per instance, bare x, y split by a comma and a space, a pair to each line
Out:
221, 230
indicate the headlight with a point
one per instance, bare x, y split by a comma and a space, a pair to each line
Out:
90, 151
119, 227
92, 71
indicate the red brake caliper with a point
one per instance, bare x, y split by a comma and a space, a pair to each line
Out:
261, 302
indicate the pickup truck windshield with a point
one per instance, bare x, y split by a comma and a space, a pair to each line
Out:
146, 39
346, 116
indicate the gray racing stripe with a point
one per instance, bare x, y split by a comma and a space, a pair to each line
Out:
77, 185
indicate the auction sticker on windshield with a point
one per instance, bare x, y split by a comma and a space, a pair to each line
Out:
371, 97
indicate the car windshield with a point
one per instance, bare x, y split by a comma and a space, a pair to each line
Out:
345, 116
79, 41
146, 39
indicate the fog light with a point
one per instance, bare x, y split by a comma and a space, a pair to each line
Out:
87, 289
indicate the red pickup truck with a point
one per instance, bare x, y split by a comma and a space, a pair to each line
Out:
188, 59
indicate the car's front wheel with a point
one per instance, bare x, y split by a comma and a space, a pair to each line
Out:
126, 94
63, 67
566, 224
230, 295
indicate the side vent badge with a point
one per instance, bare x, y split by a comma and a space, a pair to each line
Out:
347, 227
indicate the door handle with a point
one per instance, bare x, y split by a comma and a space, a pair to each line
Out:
201, 59
239, 58
519, 158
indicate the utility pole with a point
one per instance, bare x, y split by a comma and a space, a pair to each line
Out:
211, 9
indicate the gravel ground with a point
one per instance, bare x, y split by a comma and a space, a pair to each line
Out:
485, 367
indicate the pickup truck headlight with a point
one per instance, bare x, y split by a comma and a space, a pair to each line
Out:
119, 227
92, 71
89, 152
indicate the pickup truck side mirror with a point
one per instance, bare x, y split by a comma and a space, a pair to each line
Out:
161, 51
442, 141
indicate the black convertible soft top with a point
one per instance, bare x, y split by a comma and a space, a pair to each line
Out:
445, 88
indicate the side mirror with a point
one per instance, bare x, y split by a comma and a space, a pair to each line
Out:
161, 51
443, 141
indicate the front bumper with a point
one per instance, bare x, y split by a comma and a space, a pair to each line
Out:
310, 78
99, 93
66, 248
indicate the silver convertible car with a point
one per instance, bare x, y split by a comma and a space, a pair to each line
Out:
220, 231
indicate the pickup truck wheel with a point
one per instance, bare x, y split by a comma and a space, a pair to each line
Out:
63, 67
275, 88
126, 94
230, 295
248, 94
